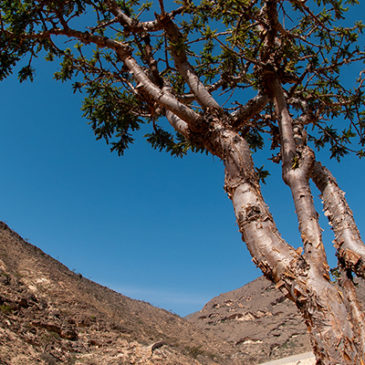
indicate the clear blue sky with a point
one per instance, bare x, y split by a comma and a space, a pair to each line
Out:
148, 225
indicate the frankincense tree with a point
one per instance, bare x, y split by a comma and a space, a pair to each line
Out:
225, 77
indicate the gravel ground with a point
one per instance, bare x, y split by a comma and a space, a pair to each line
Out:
306, 358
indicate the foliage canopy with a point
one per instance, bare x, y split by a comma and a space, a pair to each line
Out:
229, 77
223, 41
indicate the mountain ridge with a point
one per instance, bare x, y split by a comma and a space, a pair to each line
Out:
259, 321
51, 315
48, 314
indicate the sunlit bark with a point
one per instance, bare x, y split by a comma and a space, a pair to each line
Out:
325, 308
350, 248
297, 162
331, 311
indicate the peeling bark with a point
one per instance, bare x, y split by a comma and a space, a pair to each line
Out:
325, 308
333, 316
297, 162
355, 311
277, 259
322, 305
350, 247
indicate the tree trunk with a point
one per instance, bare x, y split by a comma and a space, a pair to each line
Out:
334, 322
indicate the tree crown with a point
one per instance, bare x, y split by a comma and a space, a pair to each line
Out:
231, 47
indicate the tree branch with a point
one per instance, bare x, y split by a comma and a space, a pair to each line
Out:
350, 247
297, 161
162, 97
247, 111
178, 124
182, 64
135, 26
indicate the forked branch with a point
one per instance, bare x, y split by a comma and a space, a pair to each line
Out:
297, 161
177, 47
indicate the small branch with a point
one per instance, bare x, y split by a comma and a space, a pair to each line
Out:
104, 24
249, 110
288, 146
178, 124
313, 16
162, 7
136, 26
163, 98
248, 59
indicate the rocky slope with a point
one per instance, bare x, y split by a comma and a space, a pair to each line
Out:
258, 321
50, 315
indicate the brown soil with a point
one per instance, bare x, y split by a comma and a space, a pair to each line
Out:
50, 315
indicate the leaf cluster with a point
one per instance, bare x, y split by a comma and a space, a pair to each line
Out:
232, 45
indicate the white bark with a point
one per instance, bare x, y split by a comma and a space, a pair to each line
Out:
202, 94
297, 163
349, 245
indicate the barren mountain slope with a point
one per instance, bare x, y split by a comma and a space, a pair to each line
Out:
50, 315
258, 320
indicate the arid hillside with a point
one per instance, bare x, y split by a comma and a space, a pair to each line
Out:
50, 315
258, 321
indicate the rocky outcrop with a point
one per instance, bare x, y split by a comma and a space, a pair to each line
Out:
259, 321
50, 315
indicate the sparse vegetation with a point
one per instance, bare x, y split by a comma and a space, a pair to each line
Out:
194, 352
6, 308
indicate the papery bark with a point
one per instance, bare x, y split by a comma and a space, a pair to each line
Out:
297, 162
348, 243
322, 304
332, 315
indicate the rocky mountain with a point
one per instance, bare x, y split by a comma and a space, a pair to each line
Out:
50, 315
256, 319
259, 321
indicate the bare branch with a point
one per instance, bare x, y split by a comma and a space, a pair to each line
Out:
136, 26
178, 124
182, 64
249, 110
350, 247
297, 162
163, 98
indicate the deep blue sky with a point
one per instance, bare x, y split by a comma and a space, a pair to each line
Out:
148, 225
